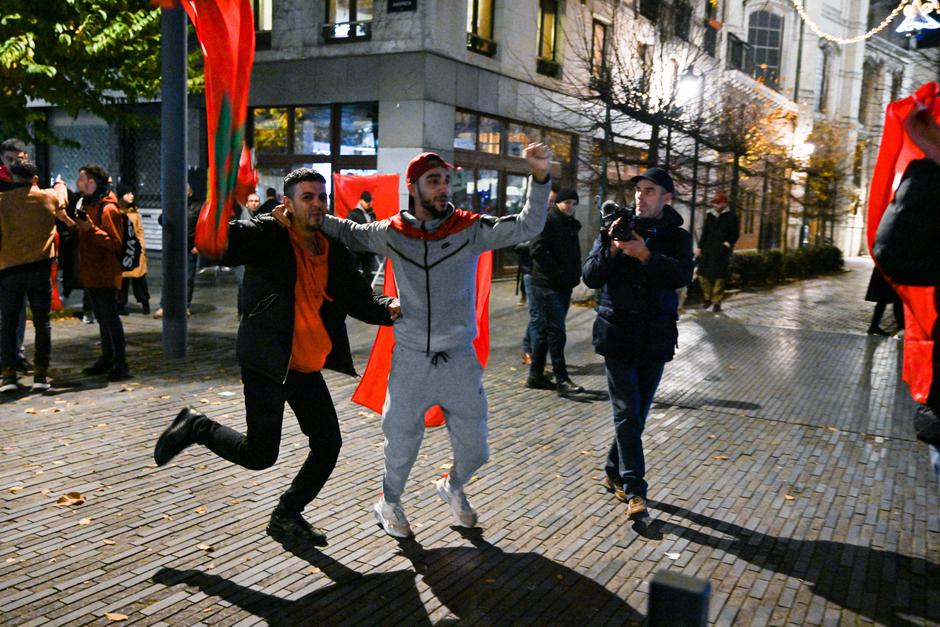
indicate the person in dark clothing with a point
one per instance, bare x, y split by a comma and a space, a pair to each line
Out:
299, 286
135, 279
270, 202
556, 270
719, 235
882, 294
635, 329
193, 206
362, 213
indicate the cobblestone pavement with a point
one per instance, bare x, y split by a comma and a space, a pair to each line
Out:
782, 468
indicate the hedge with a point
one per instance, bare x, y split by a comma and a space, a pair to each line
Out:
773, 266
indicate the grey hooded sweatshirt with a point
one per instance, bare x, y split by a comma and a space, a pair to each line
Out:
437, 278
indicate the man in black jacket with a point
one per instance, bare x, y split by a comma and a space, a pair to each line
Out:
298, 287
635, 329
556, 270
362, 213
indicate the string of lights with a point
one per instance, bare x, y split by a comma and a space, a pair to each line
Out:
813, 26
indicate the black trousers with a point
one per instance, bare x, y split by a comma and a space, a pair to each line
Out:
105, 305
257, 449
141, 291
31, 280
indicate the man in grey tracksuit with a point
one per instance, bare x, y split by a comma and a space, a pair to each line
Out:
434, 248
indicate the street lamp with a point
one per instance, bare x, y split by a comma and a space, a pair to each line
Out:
692, 87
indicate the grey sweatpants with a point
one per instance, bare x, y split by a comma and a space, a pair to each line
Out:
417, 382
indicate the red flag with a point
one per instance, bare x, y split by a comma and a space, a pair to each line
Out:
348, 187
896, 152
226, 32
374, 384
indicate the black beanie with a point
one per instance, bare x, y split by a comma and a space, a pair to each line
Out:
566, 193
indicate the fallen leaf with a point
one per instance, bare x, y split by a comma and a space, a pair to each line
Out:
203, 400
46, 491
833, 429
10, 560
108, 542
226, 393
102, 425
711, 436
72, 498
115, 617
85, 521
787, 497
720, 458
31, 410
8, 448
313, 570
126, 388
205, 547
673, 556
164, 397
235, 501
202, 509
16, 488
489, 580
167, 517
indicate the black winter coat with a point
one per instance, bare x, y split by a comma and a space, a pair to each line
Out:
266, 330
556, 253
719, 234
637, 308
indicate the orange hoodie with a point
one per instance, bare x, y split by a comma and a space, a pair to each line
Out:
27, 226
98, 248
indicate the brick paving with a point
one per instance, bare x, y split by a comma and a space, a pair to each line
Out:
782, 468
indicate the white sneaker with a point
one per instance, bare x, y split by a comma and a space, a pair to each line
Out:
40, 384
392, 518
459, 505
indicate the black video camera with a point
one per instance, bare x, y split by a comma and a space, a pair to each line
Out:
610, 213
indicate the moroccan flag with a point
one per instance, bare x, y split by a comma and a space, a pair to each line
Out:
374, 384
896, 152
383, 187
226, 32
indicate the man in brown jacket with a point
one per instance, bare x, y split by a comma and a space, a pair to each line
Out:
27, 248
98, 228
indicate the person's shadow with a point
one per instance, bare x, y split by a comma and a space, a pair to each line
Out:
883, 586
483, 584
478, 584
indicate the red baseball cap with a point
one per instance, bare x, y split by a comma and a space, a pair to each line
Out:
422, 163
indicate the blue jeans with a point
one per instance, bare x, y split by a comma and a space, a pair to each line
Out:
31, 281
631, 390
551, 338
532, 330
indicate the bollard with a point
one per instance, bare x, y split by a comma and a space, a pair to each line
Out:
677, 600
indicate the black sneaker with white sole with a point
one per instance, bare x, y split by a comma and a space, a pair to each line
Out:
288, 527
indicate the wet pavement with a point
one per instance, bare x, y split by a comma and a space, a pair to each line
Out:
782, 466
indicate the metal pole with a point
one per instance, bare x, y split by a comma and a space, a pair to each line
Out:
173, 180
698, 131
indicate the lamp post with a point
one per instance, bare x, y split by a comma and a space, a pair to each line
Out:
691, 86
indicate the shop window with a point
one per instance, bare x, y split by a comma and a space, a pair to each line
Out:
264, 20
465, 131
312, 130
548, 38
359, 129
348, 20
520, 136
560, 143
491, 135
270, 131
480, 27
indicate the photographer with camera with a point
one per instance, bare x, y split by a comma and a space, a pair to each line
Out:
638, 260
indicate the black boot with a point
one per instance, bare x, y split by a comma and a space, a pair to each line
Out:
176, 437
119, 372
101, 366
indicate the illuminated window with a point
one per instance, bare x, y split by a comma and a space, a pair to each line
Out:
765, 37
480, 27
548, 25
599, 50
348, 20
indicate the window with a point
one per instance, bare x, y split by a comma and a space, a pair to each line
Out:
897, 80
348, 20
822, 79
682, 21
264, 20
480, 27
644, 52
765, 36
520, 136
327, 138
465, 131
599, 51
869, 102
491, 133
548, 38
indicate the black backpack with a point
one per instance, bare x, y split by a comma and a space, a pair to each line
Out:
130, 245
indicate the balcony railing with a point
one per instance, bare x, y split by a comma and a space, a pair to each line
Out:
480, 44
347, 31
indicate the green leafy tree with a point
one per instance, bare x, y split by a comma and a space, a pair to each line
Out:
79, 55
